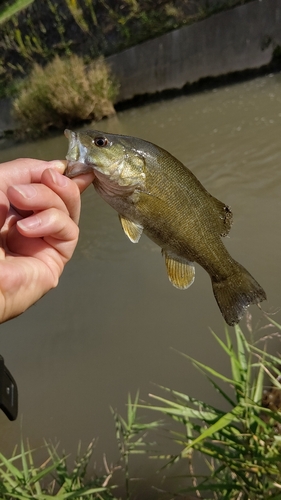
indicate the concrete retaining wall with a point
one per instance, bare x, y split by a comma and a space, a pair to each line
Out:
235, 40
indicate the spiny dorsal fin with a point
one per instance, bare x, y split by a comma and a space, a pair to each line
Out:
131, 229
224, 217
181, 273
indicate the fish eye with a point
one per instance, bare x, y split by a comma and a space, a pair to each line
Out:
101, 142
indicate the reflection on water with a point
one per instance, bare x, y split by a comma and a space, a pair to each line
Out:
108, 328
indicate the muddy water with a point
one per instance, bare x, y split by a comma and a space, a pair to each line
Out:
109, 327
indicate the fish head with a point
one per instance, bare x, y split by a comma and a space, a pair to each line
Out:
114, 160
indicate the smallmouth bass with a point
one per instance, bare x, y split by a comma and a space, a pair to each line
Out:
155, 193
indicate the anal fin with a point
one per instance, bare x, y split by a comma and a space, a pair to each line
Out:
131, 229
181, 273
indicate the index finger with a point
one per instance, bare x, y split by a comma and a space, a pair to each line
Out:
83, 181
26, 171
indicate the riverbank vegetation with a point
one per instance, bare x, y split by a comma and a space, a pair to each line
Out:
240, 442
7, 9
38, 30
64, 93
21, 479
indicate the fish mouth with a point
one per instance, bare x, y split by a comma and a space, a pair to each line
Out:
76, 156
77, 168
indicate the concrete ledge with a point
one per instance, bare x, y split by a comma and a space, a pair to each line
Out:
232, 41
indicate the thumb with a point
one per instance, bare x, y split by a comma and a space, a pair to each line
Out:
4, 207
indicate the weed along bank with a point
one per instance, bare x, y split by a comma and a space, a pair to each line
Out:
64, 92
232, 43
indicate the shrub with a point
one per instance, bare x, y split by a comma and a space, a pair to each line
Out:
64, 92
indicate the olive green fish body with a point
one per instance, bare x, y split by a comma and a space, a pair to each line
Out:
156, 194
174, 213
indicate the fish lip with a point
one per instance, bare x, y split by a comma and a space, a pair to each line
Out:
72, 138
76, 162
75, 168
68, 133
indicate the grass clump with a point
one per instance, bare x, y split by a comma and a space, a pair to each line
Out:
241, 445
131, 438
64, 92
21, 479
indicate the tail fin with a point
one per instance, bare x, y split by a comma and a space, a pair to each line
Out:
236, 293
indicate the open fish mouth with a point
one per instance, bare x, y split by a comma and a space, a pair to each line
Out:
75, 168
76, 156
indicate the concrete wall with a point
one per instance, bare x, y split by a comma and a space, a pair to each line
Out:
234, 40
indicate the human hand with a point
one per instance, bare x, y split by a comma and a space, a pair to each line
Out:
39, 213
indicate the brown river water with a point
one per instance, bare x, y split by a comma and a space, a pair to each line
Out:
109, 327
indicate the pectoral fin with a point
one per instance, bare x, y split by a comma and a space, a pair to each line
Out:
131, 229
181, 273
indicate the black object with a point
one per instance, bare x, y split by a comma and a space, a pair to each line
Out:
8, 392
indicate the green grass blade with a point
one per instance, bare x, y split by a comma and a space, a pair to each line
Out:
265, 356
184, 413
33, 472
259, 386
206, 368
10, 483
176, 409
11, 468
43, 473
183, 397
24, 461
242, 347
224, 346
273, 322
12, 9
235, 367
220, 424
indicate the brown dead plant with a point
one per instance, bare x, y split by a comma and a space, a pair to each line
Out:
65, 92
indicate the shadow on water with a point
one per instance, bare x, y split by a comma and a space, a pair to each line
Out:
109, 326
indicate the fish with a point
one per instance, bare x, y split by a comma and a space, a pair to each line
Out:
155, 194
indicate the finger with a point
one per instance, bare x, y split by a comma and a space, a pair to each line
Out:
4, 207
58, 230
34, 197
66, 189
83, 181
26, 171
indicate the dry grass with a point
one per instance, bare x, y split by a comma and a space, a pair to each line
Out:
65, 92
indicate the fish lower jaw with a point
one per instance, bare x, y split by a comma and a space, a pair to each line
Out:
76, 168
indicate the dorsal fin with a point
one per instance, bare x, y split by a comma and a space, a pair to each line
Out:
181, 273
131, 229
225, 217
